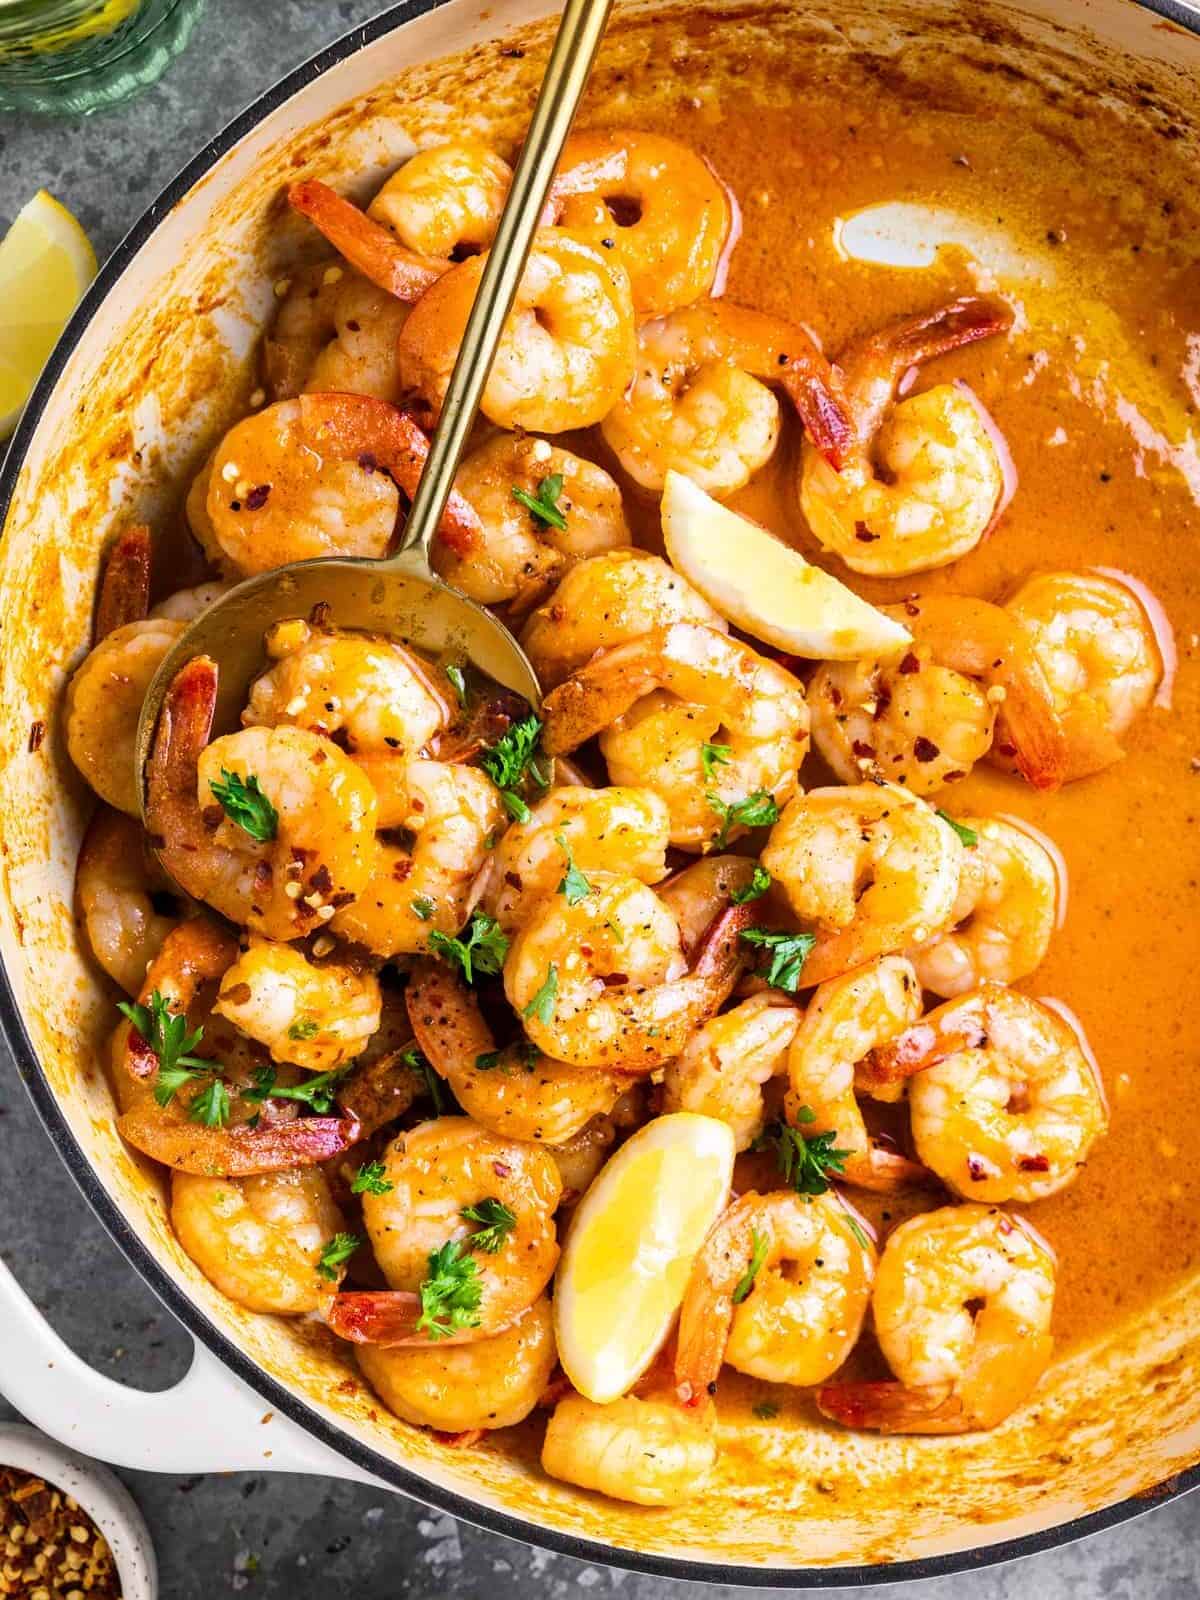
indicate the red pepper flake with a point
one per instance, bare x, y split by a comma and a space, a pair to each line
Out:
37, 732
1033, 1163
502, 1169
368, 462
321, 880
258, 496
320, 614
1007, 750
924, 749
977, 1169
614, 980
863, 534
910, 663
864, 750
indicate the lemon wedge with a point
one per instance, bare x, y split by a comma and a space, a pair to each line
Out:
765, 587
46, 263
630, 1247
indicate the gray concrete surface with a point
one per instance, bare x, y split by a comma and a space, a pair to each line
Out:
290, 1538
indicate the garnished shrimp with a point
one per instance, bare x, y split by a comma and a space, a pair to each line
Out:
317, 1015
846, 1018
779, 1290
961, 1307
259, 1239
115, 879
467, 1388
437, 1171
1095, 645
648, 1449
321, 849
319, 476
451, 813
567, 350
699, 404
1005, 1101
871, 869
607, 600
517, 1092
725, 1067
593, 828
334, 332
666, 218
526, 550
922, 481
1003, 917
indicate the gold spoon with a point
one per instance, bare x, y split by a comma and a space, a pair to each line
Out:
400, 595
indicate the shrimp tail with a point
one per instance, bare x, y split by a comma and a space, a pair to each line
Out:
915, 340
184, 725
720, 952
125, 587
379, 1092
240, 1152
365, 243
893, 1408
387, 1318
814, 387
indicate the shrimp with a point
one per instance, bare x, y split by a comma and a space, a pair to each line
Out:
698, 402
1004, 915
334, 332
115, 881
608, 600
596, 829
259, 1239
701, 891
525, 552
735, 724
263, 1135
319, 476
185, 605
450, 812
872, 869
667, 218
1098, 652
962, 1307
321, 850
516, 1092
124, 593
922, 481
779, 1289
647, 1449
724, 1069
365, 243
1006, 1102
581, 1157
437, 1171
604, 982
464, 1388
317, 1015
848, 1017
567, 350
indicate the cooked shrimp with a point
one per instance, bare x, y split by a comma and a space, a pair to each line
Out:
436, 1172
1005, 1100
922, 481
779, 1289
451, 813
596, 829
647, 1449
462, 1388
319, 476
334, 332
185, 605
699, 404
607, 600
259, 1239
124, 593
526, 552
317, 1015
567, 350
517, 1092
322, 847
104, 702
666, 218
1004, 914
1098, 652
847, 1018
701, 891
365, 242
604, 982
872, 869
725, 1067
962, 1307
445, 202
581, 1157
115, 880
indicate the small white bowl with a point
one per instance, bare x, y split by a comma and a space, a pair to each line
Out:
100, 1493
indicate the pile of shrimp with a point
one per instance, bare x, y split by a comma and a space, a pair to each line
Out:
401, 971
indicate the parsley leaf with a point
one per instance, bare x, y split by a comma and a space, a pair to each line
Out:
805, 1163
420, 1063
544, 505
755, 811
789, 952
496, 1222
316, 1091
574, 885
759, 1245
515, 806
304, 1028
482, 951
713, 756
458, 679
211, 1105
858, 1232
968, 835
422, 907
514, 758
542, 1004
336, 1253
765, 1410
369, 1179
165, 1031
243, 802
755, 889
451, 1292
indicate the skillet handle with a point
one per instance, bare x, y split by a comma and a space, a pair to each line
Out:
209, 1422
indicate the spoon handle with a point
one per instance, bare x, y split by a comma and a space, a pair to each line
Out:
570, 64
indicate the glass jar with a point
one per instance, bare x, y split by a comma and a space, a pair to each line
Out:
69, 57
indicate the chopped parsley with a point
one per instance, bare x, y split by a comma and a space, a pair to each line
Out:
526, 1051
713, 756
788, 953
166, 1032
968, 835
482, 951
574, 885
804, 1162
755, 811
542, 1004
417, 1061
243, 802
544, 505
211, 1105
304, 1028
450, 1293
316, 1091
422, 907
515, 806
766, 1410
513, 759
369, 1179
458, 680
857, 1232
759, 1245
336, 1254
759, 883
495, 1221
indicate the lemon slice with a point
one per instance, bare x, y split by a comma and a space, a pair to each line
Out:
629, 1251
765, 587
46, 263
